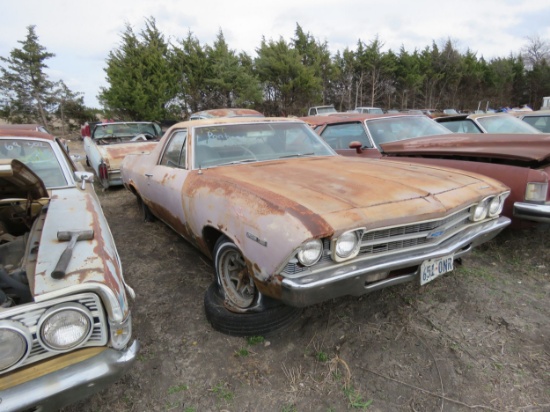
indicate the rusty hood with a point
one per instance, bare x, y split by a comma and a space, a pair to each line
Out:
347, 191
522, 147
114, 154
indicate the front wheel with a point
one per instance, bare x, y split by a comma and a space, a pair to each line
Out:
273, 318
232, 275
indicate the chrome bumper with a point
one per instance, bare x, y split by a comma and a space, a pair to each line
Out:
71, 384
115, 178
353, 278
534, 212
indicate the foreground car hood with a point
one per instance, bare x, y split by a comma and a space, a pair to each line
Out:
527, 147
94, 262
114, 154
345, 191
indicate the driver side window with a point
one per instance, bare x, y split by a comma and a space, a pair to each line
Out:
175, 152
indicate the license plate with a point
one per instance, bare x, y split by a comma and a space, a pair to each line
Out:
430, 269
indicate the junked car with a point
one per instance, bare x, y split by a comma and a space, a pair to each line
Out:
539, 119
288, 223
225, 112
521, 161
109, 142
486, 123
65, 321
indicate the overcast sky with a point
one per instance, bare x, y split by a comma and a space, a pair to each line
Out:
81, 33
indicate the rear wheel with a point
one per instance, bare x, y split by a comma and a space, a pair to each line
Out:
145, 211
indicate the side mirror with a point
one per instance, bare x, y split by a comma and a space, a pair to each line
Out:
84, 177
357, 146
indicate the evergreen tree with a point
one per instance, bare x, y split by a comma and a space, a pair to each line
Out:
26, 88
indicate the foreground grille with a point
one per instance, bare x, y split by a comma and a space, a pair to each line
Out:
30, 319
396, 239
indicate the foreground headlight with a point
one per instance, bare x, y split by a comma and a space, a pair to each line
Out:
480, 210
536, 192
496, 204
310, 252
65, 326
15, 344
347, 245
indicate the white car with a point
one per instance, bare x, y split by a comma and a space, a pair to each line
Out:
65, 322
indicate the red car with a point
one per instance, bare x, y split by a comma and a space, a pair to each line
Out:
521, 161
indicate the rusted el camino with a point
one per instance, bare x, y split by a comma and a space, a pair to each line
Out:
109, 142
521, 161
289, 223
65, 323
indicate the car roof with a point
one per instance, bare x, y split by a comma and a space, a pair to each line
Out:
25, 126
7, 132
235, 120
228, 112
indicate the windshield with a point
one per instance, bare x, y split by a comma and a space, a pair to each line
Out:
38, 155
326, 110
392, 129
124, 132
505, 124
217, 145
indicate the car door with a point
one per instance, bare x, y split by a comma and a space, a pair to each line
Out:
164, 182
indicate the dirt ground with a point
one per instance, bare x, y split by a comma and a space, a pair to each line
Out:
475, 339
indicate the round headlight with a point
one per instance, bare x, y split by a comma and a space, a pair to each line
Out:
481, 210
347, 244
15, 344
310, 252
65, 326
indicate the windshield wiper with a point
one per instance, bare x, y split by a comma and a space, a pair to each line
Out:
236, 162
297, 155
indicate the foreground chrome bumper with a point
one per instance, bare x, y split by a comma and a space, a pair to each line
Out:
70, 384
356, 278
530, 211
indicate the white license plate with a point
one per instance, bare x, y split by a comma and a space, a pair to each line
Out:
430, 269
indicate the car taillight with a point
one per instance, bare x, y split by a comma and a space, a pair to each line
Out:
103, 173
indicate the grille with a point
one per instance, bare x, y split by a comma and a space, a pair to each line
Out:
30, 319
396, 239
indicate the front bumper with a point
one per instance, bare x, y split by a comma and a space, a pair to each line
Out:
70, 384
355, 278
534, 212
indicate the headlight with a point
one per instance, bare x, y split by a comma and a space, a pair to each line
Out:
536, 192
347, 245
310, 252
496, 204
65, 326
480, 210
15, 344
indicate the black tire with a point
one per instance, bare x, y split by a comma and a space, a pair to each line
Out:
145, 211
275, 317
88, 162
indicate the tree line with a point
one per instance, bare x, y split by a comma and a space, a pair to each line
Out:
151, 78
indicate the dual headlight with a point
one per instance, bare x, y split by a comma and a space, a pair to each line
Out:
489, 207
345, 246
15, 344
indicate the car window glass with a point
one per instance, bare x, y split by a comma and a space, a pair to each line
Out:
461, 126
541, 123
505, 124
38, 156
175, 153
339, 136
222, 144
398, 128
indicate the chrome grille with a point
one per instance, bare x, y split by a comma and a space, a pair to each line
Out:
395, 239
30, 319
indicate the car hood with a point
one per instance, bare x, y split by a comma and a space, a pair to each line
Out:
94, 265
525, 147
17, 181
114, 154
345, 191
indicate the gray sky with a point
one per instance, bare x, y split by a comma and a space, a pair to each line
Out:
81, 33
